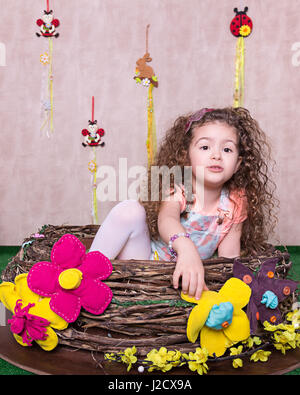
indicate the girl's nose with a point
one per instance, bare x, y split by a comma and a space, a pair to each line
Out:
216, 154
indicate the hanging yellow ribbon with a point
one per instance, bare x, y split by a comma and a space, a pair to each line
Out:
238, 99
46, 58
95, 206
151, 138
50, 79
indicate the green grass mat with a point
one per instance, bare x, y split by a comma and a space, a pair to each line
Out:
7, 252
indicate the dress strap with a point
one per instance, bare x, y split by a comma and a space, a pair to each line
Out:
223, 209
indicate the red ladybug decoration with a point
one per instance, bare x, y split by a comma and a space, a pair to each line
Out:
92, 135
241, 25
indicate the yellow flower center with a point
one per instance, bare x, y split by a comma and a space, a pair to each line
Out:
245, 30
70, 278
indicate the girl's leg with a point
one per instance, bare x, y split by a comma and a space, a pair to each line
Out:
124, 233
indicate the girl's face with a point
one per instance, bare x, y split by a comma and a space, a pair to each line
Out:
214, 147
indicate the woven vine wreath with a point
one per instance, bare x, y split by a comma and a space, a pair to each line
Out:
145, 309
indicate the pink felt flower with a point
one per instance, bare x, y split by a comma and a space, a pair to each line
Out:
29, 327
72, 279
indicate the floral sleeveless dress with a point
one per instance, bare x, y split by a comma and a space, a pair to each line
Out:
207, 231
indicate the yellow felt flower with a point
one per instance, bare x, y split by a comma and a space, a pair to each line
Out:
219, 317
17, 294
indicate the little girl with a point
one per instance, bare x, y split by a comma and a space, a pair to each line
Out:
232, 212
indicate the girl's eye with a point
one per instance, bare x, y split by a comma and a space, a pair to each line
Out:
204, 147
228, 150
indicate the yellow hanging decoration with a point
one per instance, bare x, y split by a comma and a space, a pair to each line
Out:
46, 59
93, 138
50, 83
47, 28
238, 100
95, 205
151, 139
145, 76
241, 26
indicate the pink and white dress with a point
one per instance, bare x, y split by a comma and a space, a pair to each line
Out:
205, 230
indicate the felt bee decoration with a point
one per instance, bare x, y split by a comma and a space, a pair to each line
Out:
47, 25
92, 135
92, 138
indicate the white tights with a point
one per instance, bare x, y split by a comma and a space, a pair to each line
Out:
124, 233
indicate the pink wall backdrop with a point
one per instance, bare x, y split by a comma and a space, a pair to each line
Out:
46, 180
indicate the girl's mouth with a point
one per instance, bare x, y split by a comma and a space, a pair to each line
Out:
215, 169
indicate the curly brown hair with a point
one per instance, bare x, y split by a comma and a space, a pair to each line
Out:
252, 176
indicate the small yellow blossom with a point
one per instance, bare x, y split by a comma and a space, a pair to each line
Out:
197, 360
175, 357
110, 356
160, 359
236, 363
252, 340
44, 58
199, 367
128, 357
298, 340
272, 328
294, 316
260, 355
281, 347
92, 166
285, 340
236, 351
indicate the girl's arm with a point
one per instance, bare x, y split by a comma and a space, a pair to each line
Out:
230, 246
189, 265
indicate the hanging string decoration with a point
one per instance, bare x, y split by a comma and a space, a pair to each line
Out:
93, 138
47, 28
145, 76
241, 26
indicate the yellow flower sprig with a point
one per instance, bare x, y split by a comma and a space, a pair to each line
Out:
284, 336
127, 356
163, 359
237, 362
260, 355
197, 360
251, 341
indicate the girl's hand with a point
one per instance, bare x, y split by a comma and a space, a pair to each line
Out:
189, 266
